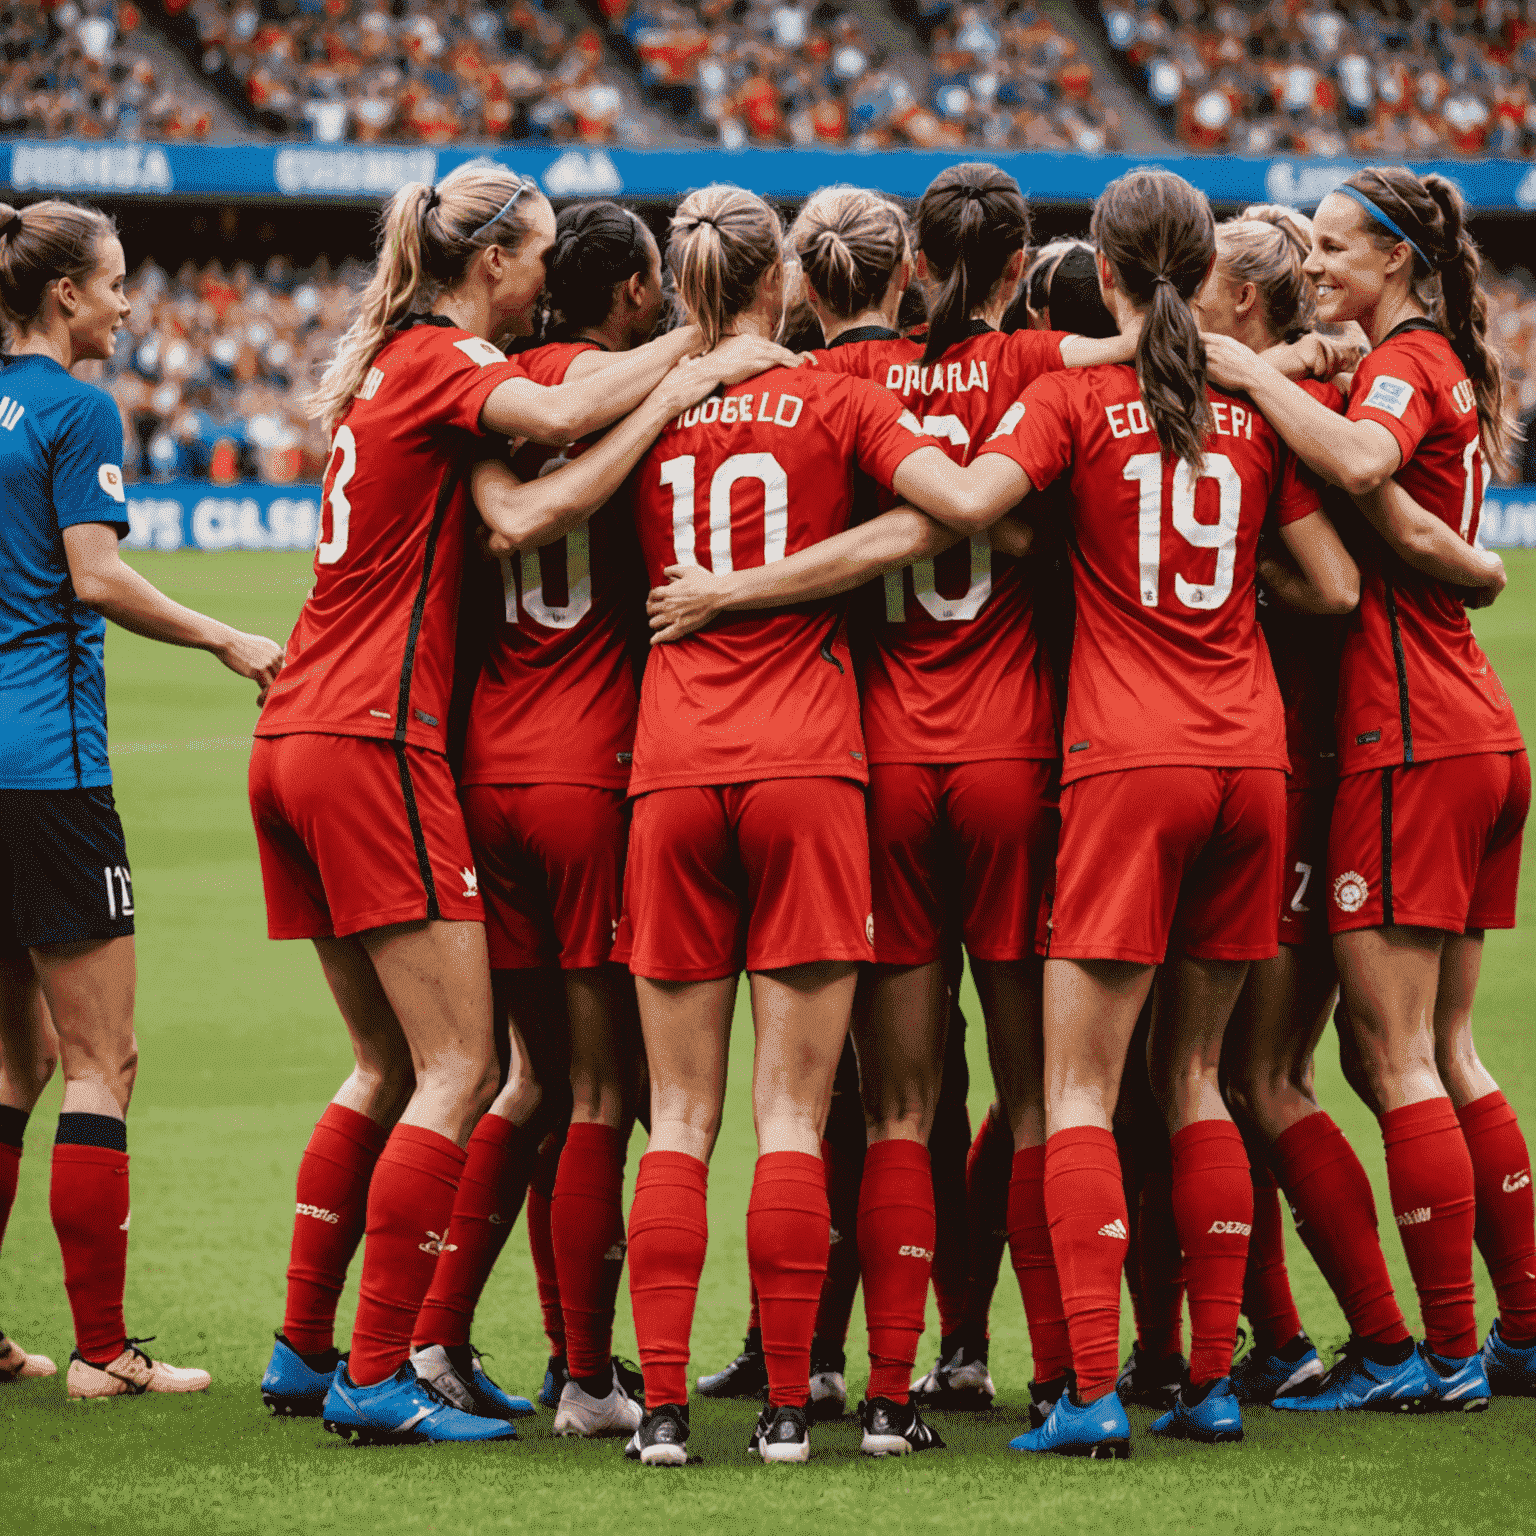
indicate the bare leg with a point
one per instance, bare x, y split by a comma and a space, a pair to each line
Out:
1011, 995
1464, 1075
1390, 978
1089, 1017
801, 1017
605, 1038
380, 1084
90, 989
29, 1046
899, 1040
687, 1030
1195, 999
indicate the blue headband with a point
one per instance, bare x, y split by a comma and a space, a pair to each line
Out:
1380, 216
506, 208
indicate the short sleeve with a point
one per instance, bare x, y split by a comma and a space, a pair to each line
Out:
1036, 432
1392, 387
549, 365
458, 373
1029, 354
88, 463
1296, 494
883, 432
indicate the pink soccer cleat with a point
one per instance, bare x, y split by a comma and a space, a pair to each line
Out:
17, 1365
130, 1374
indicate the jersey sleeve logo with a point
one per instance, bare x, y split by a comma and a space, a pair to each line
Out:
478, 350
1011, 418
110, 478
1389, 395
370, 385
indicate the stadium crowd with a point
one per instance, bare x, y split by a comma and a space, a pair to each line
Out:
1335, 77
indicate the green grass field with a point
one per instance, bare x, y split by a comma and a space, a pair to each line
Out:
241, 1049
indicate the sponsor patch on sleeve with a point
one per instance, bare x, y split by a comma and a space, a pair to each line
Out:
1389, 395
478, 350
110, 478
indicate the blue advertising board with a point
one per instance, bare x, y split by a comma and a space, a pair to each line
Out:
309, 173
192, 514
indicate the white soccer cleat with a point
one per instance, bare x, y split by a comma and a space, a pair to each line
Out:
132, 1373
17, 1365
587, 1417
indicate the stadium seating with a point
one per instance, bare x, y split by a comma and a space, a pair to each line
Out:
1388, 82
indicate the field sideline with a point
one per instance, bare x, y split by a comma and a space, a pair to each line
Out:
241, 1049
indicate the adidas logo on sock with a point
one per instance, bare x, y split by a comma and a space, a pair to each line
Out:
319, 1212
1514, 1181
1230, 1229
1415, 1217
1115, 1228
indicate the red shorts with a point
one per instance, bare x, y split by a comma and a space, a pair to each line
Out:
1153, 855
983, 831
1430, 845
1303, 899
762, 876
551, 859
356, 833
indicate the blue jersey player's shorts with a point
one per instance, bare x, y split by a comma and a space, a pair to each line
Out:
64, 876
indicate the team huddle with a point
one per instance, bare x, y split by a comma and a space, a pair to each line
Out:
1099, 611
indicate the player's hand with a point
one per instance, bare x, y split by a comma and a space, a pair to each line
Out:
692, 597
493, 545
1011, 535
252, 656
1484, 596
1229, 363
744, 357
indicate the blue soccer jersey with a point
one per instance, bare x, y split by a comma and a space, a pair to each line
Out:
61, 452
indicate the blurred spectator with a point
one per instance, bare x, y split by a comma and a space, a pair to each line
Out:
66, 72
424, 71
1512, 326
1385, 81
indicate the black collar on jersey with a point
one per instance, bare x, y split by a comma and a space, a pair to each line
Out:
417, 318
975, 327
1414, 323
589, 341
864, 333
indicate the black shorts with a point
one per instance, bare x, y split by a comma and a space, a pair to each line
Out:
64, 875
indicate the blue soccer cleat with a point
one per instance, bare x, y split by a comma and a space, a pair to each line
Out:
1358, 1382
556, 1374
1511, 1372
1215, 1419
291, 1388
1098, 1430
1261, 1376
1456, 1386
507, 1405
403, 1410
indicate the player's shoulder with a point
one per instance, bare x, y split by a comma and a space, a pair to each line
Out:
423, 339
52, 394
549, 363
1325, 391
1418, 356
861, 355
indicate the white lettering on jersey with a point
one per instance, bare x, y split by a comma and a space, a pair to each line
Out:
1227, 419
946, 378
1389, 395
738, 410
110, 478
11, 411
1463, 396
478, 350
370, 385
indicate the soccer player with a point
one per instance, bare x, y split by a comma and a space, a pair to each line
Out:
546, 767
362, 841
1434, 783
67, 968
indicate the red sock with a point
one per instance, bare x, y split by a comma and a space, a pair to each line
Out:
485, 1207
1501, 1167
332, 1203
1159, 1292
845, 1172
1213, 1206
88, 1201
951, 1240
988, 1179
1267, 1300
10, 1172
587, 1223
896, 1236
1085, 1202
754, 1313
788, 1225
541, 1241
410, 1204
1034, 1263
1335, 1214
668, 1233
1434, 1199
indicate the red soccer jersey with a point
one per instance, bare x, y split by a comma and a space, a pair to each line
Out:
372, 652
555, 703
1415, 684
1168, 666
760, 471
954, 673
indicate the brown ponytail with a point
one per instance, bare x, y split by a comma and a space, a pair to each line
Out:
1156, 233
849, 243
970, 223
39, 245
427, 237
722, 241
1447, 273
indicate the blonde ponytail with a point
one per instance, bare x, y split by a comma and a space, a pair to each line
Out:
722, 241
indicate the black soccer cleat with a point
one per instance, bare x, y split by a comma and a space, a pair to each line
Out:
895, 1429
782, 1434
1148, 1382
746, 1375
631, 1378
662, 1439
